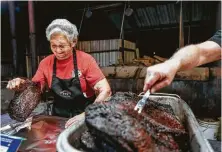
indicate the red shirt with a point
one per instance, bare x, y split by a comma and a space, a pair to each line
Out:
89, 71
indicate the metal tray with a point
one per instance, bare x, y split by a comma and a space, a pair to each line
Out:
198, 142
43, 134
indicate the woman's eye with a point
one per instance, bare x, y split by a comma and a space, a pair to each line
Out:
61, 47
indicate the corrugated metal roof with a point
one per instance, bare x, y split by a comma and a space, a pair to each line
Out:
164, 14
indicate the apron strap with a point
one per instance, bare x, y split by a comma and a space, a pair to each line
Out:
54, 68
75, 66
74, 63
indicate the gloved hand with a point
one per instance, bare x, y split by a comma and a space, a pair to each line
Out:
75, 119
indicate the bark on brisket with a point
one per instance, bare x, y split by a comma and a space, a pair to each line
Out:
88, 141
158, 127
116, 123
115, 127
26, 99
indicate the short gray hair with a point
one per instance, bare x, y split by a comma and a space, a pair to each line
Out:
64, 27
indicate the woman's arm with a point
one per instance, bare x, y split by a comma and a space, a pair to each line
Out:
103, 89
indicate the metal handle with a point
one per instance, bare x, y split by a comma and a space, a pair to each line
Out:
147, 94
166, 94
141, 94
160, 94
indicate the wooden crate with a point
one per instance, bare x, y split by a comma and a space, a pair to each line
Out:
108, 52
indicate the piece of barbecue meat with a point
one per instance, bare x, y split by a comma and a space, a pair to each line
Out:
118, 129
26, 98
119, 125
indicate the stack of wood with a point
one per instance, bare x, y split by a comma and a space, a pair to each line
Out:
108, 52
149, 61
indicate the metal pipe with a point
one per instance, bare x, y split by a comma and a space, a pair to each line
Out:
102, 6
188, 35
122, 32
157, 28
28, 72
218, 16
123, 18
80, 26
181, 30
13, 34
32, 37
190, 21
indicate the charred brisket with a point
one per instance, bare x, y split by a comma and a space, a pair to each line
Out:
26, 98
116, 124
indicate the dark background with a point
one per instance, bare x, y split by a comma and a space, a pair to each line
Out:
158, 33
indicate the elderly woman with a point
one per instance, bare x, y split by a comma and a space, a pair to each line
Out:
72, 75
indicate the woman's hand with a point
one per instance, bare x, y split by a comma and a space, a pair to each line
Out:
14, 83
75, 119
103, 90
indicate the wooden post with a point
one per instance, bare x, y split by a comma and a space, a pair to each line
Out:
13, 34
32, 36
181, 38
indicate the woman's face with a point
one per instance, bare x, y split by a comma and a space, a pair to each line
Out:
61, 47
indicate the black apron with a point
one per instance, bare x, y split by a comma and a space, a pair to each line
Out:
69, 100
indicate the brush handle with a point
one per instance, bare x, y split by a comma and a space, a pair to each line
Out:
147, 94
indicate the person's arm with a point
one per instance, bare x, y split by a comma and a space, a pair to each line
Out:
196, 55
96, 79
161, 75
98, 82
15, 83
38, 77
103, 89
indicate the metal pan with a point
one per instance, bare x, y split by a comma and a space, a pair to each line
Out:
198, 142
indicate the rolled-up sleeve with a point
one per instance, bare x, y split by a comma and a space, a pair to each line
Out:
216, 38
39, 75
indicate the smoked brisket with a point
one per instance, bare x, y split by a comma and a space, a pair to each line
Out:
117, 124
26, 98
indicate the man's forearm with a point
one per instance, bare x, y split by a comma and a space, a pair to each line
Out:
186, 58
195, 55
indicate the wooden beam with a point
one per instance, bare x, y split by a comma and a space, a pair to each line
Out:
199, 74
215, 72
